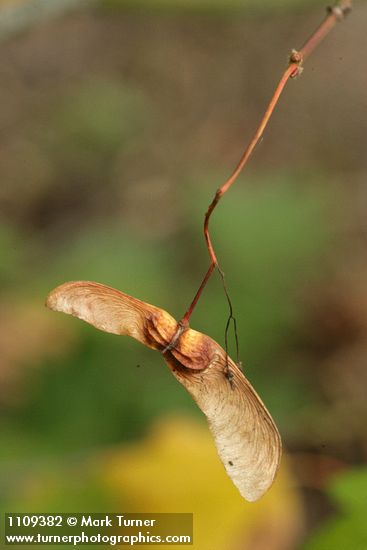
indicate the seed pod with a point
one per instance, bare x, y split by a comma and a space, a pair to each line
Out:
246, 437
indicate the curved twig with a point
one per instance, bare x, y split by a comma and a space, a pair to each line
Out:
334, 14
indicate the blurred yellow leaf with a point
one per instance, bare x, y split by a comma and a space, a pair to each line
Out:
175, 469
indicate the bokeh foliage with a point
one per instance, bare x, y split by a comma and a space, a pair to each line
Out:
348, 528
98, 188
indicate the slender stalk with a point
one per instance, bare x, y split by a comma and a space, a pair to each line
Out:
334, 14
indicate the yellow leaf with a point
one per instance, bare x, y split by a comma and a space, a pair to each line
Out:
175, 469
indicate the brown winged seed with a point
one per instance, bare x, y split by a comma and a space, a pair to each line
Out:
246, 437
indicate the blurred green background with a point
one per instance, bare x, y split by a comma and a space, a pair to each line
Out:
118, 121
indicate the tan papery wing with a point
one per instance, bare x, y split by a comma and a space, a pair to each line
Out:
246, 437
105, 308
113, 311
245, 434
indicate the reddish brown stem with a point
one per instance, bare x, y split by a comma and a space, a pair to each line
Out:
185, 319
335, 13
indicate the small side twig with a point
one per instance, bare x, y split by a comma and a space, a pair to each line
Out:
334, 14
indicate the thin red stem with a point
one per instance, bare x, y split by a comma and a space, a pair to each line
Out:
185, 319
335, 14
